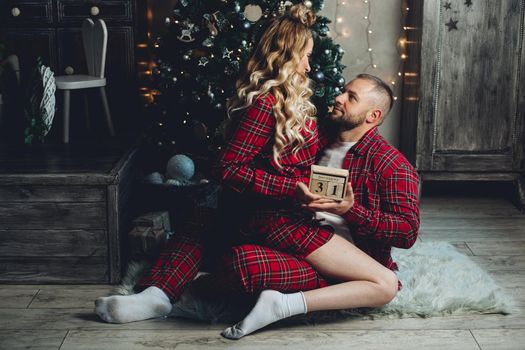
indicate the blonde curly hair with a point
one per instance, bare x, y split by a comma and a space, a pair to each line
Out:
273, 68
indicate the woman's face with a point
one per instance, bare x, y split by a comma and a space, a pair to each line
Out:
304, 66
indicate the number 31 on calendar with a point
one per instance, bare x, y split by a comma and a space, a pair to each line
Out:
328, 182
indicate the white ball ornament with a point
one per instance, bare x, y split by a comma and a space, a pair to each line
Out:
253, 13
180, 167
308, 3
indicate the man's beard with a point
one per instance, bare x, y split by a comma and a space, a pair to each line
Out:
347, 122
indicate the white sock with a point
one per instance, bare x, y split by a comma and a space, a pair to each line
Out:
152, 302
271, 307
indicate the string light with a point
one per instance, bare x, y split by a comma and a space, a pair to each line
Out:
341, 30
368, 32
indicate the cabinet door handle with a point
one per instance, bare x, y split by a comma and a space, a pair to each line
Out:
69, 70
15, 11
94, 11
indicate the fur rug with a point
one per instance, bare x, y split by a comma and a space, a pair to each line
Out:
437, 281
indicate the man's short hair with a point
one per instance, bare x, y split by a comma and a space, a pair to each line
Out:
382, 88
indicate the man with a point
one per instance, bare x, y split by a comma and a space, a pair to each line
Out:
379, 212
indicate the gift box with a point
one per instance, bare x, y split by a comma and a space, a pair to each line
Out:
158, 219
147, 241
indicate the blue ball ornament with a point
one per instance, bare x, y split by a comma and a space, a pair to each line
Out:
180, 167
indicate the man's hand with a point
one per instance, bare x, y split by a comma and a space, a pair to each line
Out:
332, 206
303, 194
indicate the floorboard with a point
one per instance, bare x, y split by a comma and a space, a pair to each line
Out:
491, 231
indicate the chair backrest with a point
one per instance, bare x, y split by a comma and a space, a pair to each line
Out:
95, 38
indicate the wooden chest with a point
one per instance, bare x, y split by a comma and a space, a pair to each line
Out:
63, 211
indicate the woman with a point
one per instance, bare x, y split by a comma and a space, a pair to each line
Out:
273, 144
272, 147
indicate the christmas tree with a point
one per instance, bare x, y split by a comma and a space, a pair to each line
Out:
199, 60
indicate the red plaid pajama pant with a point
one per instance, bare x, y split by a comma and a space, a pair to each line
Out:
274, 258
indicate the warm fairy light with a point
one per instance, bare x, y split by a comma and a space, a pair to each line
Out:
142, 45
403, 56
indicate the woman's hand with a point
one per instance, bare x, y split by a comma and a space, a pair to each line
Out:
303, 194
330, 205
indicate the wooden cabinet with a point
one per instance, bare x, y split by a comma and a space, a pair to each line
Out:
65, 213
463, 96
51, 29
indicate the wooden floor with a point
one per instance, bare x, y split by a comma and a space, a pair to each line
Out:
491, 230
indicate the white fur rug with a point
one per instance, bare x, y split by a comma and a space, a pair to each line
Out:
437, 281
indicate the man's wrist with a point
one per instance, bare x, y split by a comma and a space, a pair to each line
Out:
357, 214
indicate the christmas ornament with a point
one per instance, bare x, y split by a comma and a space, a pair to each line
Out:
167, 21
226, 53
211, 26
319, 76
180, 167
220, 21
341, 81
308, 3
253, 13
186, 32
208, 42
47, 105
203, 61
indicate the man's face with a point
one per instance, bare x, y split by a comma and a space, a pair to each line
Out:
353, 105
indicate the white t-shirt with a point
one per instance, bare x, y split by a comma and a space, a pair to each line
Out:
334, 156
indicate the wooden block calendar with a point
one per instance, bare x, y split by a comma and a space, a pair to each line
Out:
328, 182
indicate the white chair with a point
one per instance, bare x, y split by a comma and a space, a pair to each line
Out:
95, 38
